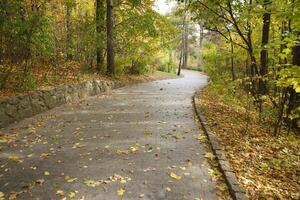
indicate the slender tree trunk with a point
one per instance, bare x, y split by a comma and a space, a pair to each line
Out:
201, 34
110, 39
182, 48
180, 60
232, 58
294, 98
185, 50
170, 64
69, 34
100, 34
264, 51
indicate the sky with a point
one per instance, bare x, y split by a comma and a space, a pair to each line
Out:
163, 7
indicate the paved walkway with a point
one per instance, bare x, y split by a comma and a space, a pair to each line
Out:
137, 142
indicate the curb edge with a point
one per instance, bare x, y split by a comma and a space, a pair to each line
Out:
235, 190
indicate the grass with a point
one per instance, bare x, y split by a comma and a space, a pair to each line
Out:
166, 74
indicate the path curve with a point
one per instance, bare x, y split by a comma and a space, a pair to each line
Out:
143, 137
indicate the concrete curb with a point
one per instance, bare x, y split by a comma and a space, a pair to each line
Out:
236, 191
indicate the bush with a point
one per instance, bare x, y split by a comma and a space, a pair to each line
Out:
214, 62
26, 82
139, 67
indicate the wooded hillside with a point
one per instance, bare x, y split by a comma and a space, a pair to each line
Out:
44, 41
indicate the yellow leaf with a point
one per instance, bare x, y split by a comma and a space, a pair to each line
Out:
122, 152
134, 149
209, 156
3, 140
13, 158
121, 192
72, 194
201, 138
69, 179
45, 155
92, 183
46, 173
147, 133
13, 196
2, 196
175, 176
183, 168
60, 193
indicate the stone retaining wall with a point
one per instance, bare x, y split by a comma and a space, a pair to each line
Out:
17, 108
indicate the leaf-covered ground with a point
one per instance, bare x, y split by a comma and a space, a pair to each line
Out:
267, 166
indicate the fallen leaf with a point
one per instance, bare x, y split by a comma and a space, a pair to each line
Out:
120, 192
141, 195
134, 149
14, 158
122, 152
175, 176
13, 196
69, 179
147, 133
209, 155
60, 193
183, 168
2, 196
45, 155
91, 183
46, 173
72, 194
189, 162
77, 145
201, 138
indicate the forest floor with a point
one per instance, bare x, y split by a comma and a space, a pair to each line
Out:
41, 82
135, 142
267, 166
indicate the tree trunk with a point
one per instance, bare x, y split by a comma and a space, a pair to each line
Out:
264, 51
180, 60
100, 34
182, 48
110, 39
232, 58
69, 34
294, 98
201, 34
185, 49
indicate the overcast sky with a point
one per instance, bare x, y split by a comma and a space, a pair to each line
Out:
163, 7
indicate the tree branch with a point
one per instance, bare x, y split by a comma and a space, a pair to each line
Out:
224, 36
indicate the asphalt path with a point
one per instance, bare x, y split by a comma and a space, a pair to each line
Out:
136, 142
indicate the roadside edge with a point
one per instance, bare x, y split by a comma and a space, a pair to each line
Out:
235, 190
